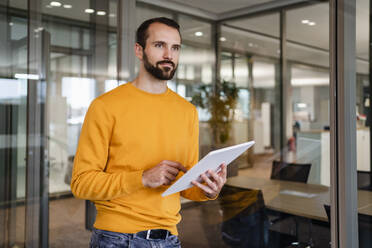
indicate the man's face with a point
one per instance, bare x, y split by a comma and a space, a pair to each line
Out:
160, 56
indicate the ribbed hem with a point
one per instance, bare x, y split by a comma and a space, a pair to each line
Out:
118, 223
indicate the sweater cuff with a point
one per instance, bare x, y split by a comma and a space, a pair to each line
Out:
132, 181
203, 197
214, 198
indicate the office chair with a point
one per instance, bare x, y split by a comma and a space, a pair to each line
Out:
364, 227
290, 172
364, 180
245, 223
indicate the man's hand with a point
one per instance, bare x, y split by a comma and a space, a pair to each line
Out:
213, 182
163, 173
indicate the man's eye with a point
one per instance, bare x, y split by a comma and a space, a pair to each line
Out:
176, 48
158, 45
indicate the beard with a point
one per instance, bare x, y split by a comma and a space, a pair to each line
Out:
156, 71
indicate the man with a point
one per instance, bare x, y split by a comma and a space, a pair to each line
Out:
136, 140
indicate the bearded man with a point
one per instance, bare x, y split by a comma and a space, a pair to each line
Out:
135, 141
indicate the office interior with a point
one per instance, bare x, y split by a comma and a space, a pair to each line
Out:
57, 56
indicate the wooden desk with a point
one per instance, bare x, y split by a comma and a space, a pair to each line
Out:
301, 199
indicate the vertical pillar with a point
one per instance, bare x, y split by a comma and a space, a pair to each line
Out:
100, 44
283, 85
369, 118
36, 229
344, 215
126, 39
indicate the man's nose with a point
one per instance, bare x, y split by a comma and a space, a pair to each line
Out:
167, 54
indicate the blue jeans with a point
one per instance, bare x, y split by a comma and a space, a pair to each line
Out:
107, 239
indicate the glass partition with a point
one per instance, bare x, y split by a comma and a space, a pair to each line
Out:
277, 193
271, 191
82, 66
363, 125
13, 122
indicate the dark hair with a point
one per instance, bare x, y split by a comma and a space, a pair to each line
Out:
142, 34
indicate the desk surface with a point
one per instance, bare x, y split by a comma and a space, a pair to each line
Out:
299, 199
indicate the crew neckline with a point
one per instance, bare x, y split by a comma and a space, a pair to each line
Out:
148, 93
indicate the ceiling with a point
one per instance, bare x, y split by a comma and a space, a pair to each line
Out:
219, 6
316, 36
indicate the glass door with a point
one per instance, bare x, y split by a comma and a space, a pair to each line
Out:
82, 67
13, 119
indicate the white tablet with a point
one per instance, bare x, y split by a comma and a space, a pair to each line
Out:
211, 161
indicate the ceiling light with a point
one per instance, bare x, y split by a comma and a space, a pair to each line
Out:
26, 76
198, 33
11, 23
55, 4
312, 23
301, 105
112, 15
305, 21
101, 13
222, 39
89, 11
67, 6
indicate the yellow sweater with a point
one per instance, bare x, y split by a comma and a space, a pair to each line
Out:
125, 132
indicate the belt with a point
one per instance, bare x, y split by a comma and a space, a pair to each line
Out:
154, 234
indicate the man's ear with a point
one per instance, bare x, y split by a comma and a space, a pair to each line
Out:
138, 49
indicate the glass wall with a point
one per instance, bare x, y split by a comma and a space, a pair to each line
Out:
82, 67
13, 121
272, 83
254, 65
363, 125
281, 98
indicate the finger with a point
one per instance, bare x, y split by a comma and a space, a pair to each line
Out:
223, 171
171, 170
170, 176
175, 165
216, 177
169, 162
208, 181
203, 187
167, 181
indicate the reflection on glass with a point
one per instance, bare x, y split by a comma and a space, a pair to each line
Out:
226, 67
196, 71
195, 31
250, 58
258, 35
13, 123
245, 221
82, 66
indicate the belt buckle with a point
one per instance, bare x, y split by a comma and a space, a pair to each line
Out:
148, 234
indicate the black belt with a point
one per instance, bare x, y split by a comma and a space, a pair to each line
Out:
154, 234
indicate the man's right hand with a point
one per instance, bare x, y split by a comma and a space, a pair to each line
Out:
163, 173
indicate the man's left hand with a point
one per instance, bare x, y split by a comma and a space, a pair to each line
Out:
213, 182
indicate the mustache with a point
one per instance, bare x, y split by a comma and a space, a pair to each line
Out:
165, 62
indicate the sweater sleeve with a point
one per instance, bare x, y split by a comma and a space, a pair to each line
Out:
194, 193
89, 179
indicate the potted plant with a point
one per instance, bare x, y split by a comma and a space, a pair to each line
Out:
220, 103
